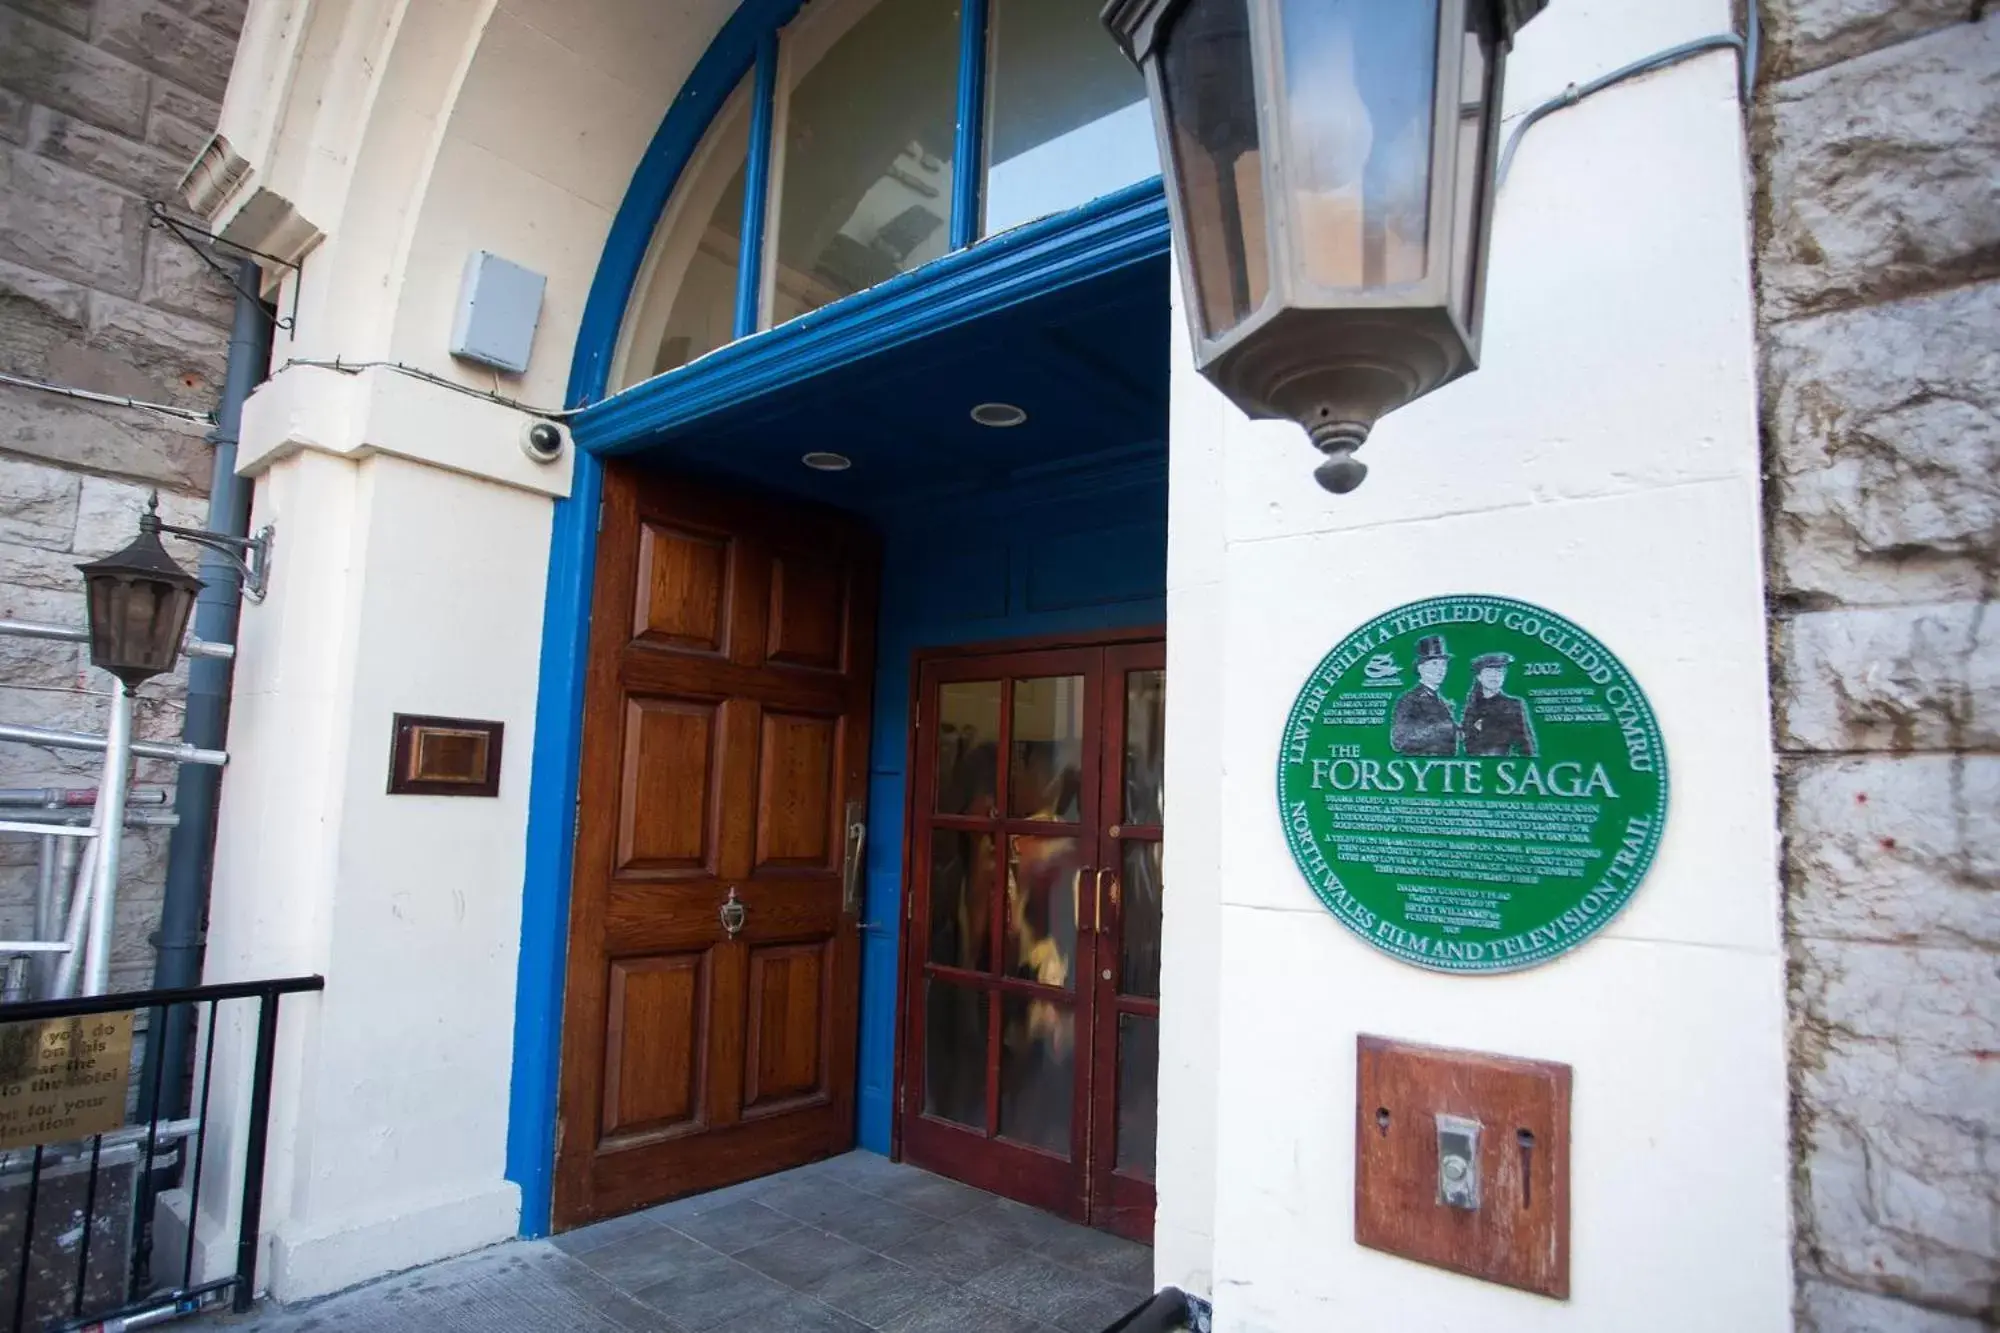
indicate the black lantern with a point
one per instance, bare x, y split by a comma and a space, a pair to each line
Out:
139, 603
1329, 170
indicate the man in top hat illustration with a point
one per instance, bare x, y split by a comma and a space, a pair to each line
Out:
1423, 722
1495, 722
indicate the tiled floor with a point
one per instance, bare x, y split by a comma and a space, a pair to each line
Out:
853, 1243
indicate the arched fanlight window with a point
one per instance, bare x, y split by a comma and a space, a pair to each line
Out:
871, 122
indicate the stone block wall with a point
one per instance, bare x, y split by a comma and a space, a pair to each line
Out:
1877, 140
102, 105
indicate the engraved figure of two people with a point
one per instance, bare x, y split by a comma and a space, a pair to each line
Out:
1494, 722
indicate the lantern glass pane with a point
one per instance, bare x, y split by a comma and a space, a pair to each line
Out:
1360, 84
1211, 103
1475, 85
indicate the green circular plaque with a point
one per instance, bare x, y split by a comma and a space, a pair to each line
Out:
1472, 784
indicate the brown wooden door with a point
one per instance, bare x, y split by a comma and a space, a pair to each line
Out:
709, 1021
1023, 1072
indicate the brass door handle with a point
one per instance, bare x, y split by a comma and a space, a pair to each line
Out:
1097, 902
733, 912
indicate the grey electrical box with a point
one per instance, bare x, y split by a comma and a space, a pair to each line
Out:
499, 303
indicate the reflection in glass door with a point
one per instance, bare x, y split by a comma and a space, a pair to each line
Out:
1034, 928
1126, 1041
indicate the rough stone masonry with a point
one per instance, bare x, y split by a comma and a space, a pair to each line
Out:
102, 104
1877, 144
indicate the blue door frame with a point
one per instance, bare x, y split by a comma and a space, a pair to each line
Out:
1109, 235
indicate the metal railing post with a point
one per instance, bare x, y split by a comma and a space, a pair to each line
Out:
253, 1163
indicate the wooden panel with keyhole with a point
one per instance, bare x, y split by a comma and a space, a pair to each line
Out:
1509, 1221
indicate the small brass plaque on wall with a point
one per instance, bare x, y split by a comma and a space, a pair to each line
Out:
63, 1078
444, 756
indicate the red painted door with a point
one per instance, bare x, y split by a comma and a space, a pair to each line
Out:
1029, 1056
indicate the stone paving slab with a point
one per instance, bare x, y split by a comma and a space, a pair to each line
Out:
849, 1245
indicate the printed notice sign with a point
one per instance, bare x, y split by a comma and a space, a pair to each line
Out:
1472, 784
63, 1078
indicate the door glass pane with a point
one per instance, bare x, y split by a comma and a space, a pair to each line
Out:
968, 747
1212, 121
1145, 746
1138, 1093
1139, 955
955, 1053
864, 191
1045, 776
1037, 1071
962, 872
1358, 121
686, 306
1067, 118
1040, 928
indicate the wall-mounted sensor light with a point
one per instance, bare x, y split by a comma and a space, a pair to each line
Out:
999, 415
821, 461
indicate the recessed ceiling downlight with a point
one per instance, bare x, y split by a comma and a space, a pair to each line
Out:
998, 415
822, 461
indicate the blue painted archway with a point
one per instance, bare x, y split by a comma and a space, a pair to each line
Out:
1119, 233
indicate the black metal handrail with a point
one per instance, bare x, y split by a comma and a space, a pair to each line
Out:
133, 1286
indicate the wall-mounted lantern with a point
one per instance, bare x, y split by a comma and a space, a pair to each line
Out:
1329, 170
139, 601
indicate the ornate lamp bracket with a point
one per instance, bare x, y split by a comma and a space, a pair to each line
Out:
250, 555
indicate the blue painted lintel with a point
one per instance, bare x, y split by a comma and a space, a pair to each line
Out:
1114, 232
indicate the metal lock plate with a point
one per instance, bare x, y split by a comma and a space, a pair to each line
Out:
1462, 1161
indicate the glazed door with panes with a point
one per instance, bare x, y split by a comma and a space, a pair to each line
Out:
710, 1017
1032, 999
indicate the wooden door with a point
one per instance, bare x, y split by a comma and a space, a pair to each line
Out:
1125, 1042
709, 1021
1024, 1070
1005, 829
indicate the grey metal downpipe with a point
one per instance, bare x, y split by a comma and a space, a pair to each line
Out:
191, 849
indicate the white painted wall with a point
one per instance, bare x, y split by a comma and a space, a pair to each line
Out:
386, 140
1603, 463
388, 1140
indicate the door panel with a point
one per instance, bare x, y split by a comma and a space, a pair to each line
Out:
1006, 828
1126, 1043
808, 611
1032, 1014
682, 598
795, 790
666, 792
709, 1022
787, 1042
653, 1052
